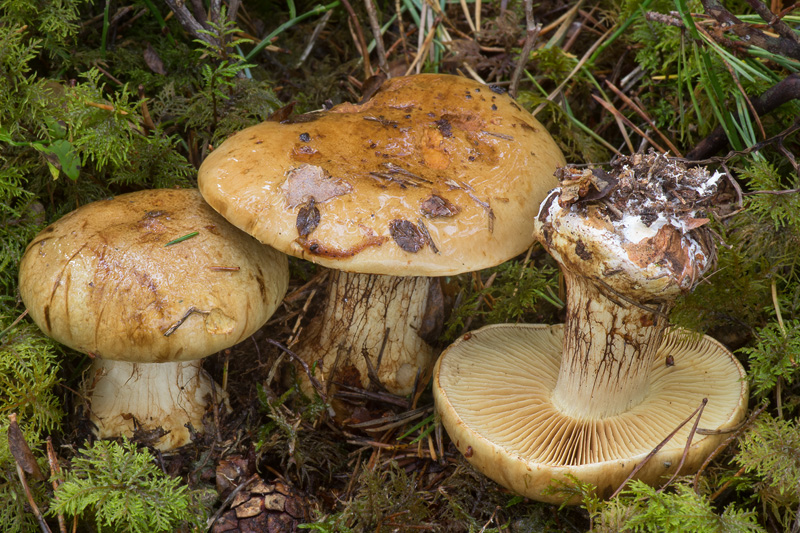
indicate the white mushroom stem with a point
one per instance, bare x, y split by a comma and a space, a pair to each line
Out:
609, 346
155, 395
371, 321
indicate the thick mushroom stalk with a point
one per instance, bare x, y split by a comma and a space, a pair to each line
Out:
610, 351
628, 245
373, 330
167, 396
594, 398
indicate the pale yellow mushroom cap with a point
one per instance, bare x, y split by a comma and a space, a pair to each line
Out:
434, 175
102, 279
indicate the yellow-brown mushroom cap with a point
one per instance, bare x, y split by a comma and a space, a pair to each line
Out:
493, 390
103, 280
434, 175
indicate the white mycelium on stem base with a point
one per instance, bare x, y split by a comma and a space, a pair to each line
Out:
593, 398
160, 397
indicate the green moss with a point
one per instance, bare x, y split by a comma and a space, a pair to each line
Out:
120, 488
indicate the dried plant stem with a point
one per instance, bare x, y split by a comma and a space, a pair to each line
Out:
423, 49
621, 120
376, 34
726, 484
55, 472
314, 381
531, 33
34, 508
656, 449
314, 36
552, 96
479, 302
361, 42
13, 324
24, 458
731, 438
688, 445
468, 17
639, 111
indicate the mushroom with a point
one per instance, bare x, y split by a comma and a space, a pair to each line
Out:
530, 404
147, 284
434, 175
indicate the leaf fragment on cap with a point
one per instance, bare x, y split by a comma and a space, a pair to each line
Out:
407, 235
310, 181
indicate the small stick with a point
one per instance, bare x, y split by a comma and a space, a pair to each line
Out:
22, 455
360, 42
16, 321
622, 118
656, 449
478, 303
55, 471
469, 17
531, 33
425, 45
314, 381
300, 316
551, 97
229, 499
181, 320
784, 91
109, 76
639, 111
188, 22
314, 36
376, 34
725, 444
34, 508
726, 484
688, 444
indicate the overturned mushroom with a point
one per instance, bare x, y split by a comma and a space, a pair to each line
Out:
435, 175
148, 284
535, 403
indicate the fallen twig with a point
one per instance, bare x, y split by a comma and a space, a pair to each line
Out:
656, 450
531, 33
735, 435
244, 484
314, 381
376, 34
25, 462
782, 92
55, 473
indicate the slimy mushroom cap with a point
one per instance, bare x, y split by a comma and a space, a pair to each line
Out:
434, 175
